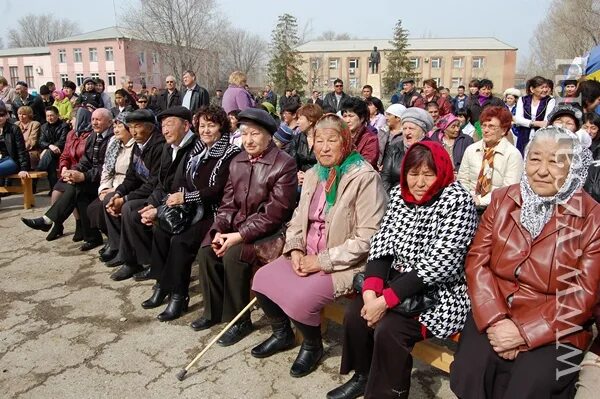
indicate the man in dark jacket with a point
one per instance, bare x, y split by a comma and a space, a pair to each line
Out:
140, 179
333, 101
135, 246
193, 96
52, 142
169, 97
270, 96
24, 98
83, 181
288, 100
408, 95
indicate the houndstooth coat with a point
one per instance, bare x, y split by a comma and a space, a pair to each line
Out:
433, 240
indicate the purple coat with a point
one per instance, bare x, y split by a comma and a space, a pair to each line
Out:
236, 97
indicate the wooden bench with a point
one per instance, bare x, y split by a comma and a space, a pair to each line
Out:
25, 188
438, 356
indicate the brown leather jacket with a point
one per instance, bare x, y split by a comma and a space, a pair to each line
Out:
259, 198
555, 291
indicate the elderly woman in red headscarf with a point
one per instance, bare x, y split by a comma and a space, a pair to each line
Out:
327, 243
414, 285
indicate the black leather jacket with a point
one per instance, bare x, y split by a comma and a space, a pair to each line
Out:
298, 149
55, 134
392, 161
15, 145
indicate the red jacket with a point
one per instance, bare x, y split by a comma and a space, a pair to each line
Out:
74, 149
367, 145
442, 102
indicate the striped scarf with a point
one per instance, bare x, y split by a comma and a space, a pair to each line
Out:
484, 180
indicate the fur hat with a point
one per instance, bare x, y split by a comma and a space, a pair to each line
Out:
512, 92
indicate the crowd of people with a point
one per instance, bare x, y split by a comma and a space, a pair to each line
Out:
465, 215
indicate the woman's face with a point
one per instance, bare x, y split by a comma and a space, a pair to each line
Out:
428, 90
591, 129
209, 131
121, 132
462, 119
485, 91
120, 100
547, 166
567, 122
304, 124
545, 90
453, 130
328, 147
492, 132
255, 139
510, 100
233, 120
23, 117
372, 110
90, 86
537, 91
411, 133
419, 180
353, 121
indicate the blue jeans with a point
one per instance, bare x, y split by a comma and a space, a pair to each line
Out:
7, 166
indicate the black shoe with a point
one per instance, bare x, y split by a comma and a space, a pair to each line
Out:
236, 333
282, 339
56, 232
177, 305
157, 298
109, 254
308, 358
78, 236
202, 323
37, 224
354, 388
114, 263
103, 249
89, 245
125, 272
143, 275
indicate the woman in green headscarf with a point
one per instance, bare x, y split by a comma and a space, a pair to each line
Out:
327, 242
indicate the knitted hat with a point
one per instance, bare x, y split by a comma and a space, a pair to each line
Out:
419, 117
396, 110
122, 118
446, 121
566, 109
284, 133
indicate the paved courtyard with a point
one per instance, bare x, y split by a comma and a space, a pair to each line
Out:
68, 331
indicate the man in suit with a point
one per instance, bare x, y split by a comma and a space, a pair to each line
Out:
193, 95
169, 97
333, 101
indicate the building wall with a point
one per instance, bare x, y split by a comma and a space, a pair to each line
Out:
499, 66
41, 68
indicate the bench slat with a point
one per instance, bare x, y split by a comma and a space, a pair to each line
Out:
26, 187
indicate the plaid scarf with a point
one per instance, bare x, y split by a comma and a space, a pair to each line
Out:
484, 180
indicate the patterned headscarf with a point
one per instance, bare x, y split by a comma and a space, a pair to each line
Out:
536, 211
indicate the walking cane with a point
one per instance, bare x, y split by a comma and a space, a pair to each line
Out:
181, 374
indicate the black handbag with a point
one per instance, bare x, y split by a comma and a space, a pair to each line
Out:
176, 219
411, 306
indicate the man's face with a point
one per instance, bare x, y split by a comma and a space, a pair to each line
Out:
338, 87
170, 82
174, 129
130, 85
100, 121
188, 80
461, 91
140, 131
367, 92
407, 87
288, 93
21, 91
51, 117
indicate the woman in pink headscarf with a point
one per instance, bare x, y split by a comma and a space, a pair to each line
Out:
455, 142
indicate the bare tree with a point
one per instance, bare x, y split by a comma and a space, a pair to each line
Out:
331, 35
181, 32
240, 50
37, 30
1, 42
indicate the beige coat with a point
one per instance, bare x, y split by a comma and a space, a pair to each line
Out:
508, 167
350, 223
111, 182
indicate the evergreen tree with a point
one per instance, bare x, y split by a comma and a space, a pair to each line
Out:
398, 67
284, 66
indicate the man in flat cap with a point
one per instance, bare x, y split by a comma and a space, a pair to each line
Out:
130, 196
136, 237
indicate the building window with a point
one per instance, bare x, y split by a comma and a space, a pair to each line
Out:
29, 75
79, 79
436, 62
353, 63
77, 55
1, 71
14, 75
457, 62
354, 83
142, 57
332, 81
315, 64
438, 81
62, 56
415, 62
112, 79
333, 63
155, 58
108, 53
93, 55
477, 62
95, 75
456, 82
64, 77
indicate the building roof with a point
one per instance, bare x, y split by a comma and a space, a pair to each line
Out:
455, 43
15, 52
113, 32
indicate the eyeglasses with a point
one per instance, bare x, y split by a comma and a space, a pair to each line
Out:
489, 126
339, 85
170, 81
142, 101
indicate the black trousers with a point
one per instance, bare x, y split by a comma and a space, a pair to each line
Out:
173, 255
382, 353
479, 373
225, 283
135, 238
95, 213
311, 334
76, 196
48, 163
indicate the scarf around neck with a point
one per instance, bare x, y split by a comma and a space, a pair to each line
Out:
332, 176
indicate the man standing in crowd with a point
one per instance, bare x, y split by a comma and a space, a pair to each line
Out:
367, 92
24, 98
315, 99
334, 99
127, 84
288, 100
194, 95
270, 95
409, 93
459, 102
169, 97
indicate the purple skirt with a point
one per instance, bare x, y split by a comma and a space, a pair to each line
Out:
301, 298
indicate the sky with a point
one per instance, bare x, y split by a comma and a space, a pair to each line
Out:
512, 21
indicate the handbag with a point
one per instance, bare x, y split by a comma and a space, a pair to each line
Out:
411, 306
269, 248
176, 219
